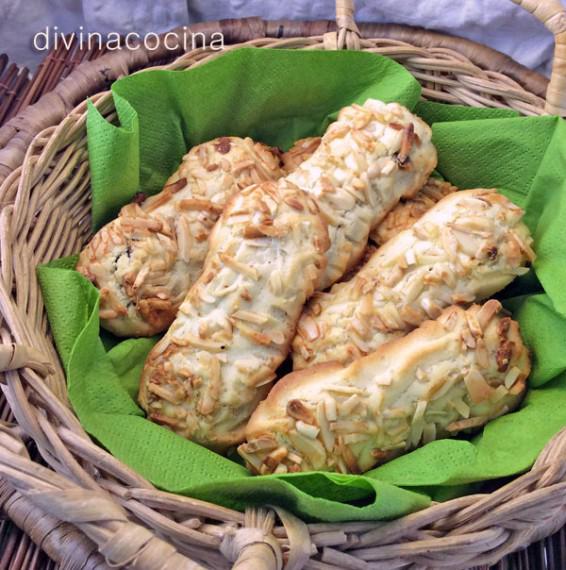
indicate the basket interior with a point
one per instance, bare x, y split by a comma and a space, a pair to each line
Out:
46, 203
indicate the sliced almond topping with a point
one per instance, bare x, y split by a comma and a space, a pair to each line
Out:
429, 432
294, 203
256, 336
191, 340
331, 409
308, 328
518, 387
184, 239
307, 430
167, 393
478, 389
512, 376
252, 460
279, 454
252, 232
487, 312
174, 187
500, 393
349, 405
239, 267
198, 204
461, 407
325, 434
311, 449
242, 165
525, 247
299, 411
265, 442
212, 387
256, 318
143, 223
163, 419
352, 438
295, 458
466, 424
407, 141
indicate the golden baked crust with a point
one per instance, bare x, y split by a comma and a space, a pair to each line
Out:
145, 260
466, 248
298, 153
449, 375
408, 211
218, 358
367, 160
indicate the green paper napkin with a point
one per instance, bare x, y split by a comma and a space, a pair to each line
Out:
273, 96
277, 96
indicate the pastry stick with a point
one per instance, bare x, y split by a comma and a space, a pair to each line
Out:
372, 156
450, 375
218, 358
402, 216
145, 260
407, 212
466, 248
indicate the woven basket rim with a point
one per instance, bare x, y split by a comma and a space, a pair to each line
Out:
93, 76
478, 528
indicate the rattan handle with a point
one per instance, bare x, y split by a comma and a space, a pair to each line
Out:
347, 34
553, 15
550, 12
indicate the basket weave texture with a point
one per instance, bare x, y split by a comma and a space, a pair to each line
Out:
89, 507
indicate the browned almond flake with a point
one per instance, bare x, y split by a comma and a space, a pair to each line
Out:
466, 424
162, 419
403, 158
253, 232
174, 187
294, 203
197, 204
297, 410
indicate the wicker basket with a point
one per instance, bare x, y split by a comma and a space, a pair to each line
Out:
89, 510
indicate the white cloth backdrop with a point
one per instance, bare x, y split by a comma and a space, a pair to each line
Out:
498, 23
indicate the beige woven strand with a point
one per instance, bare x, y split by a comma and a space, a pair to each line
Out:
13, 356
553, 15
301, 547
62, 542
347, 34
99, 517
